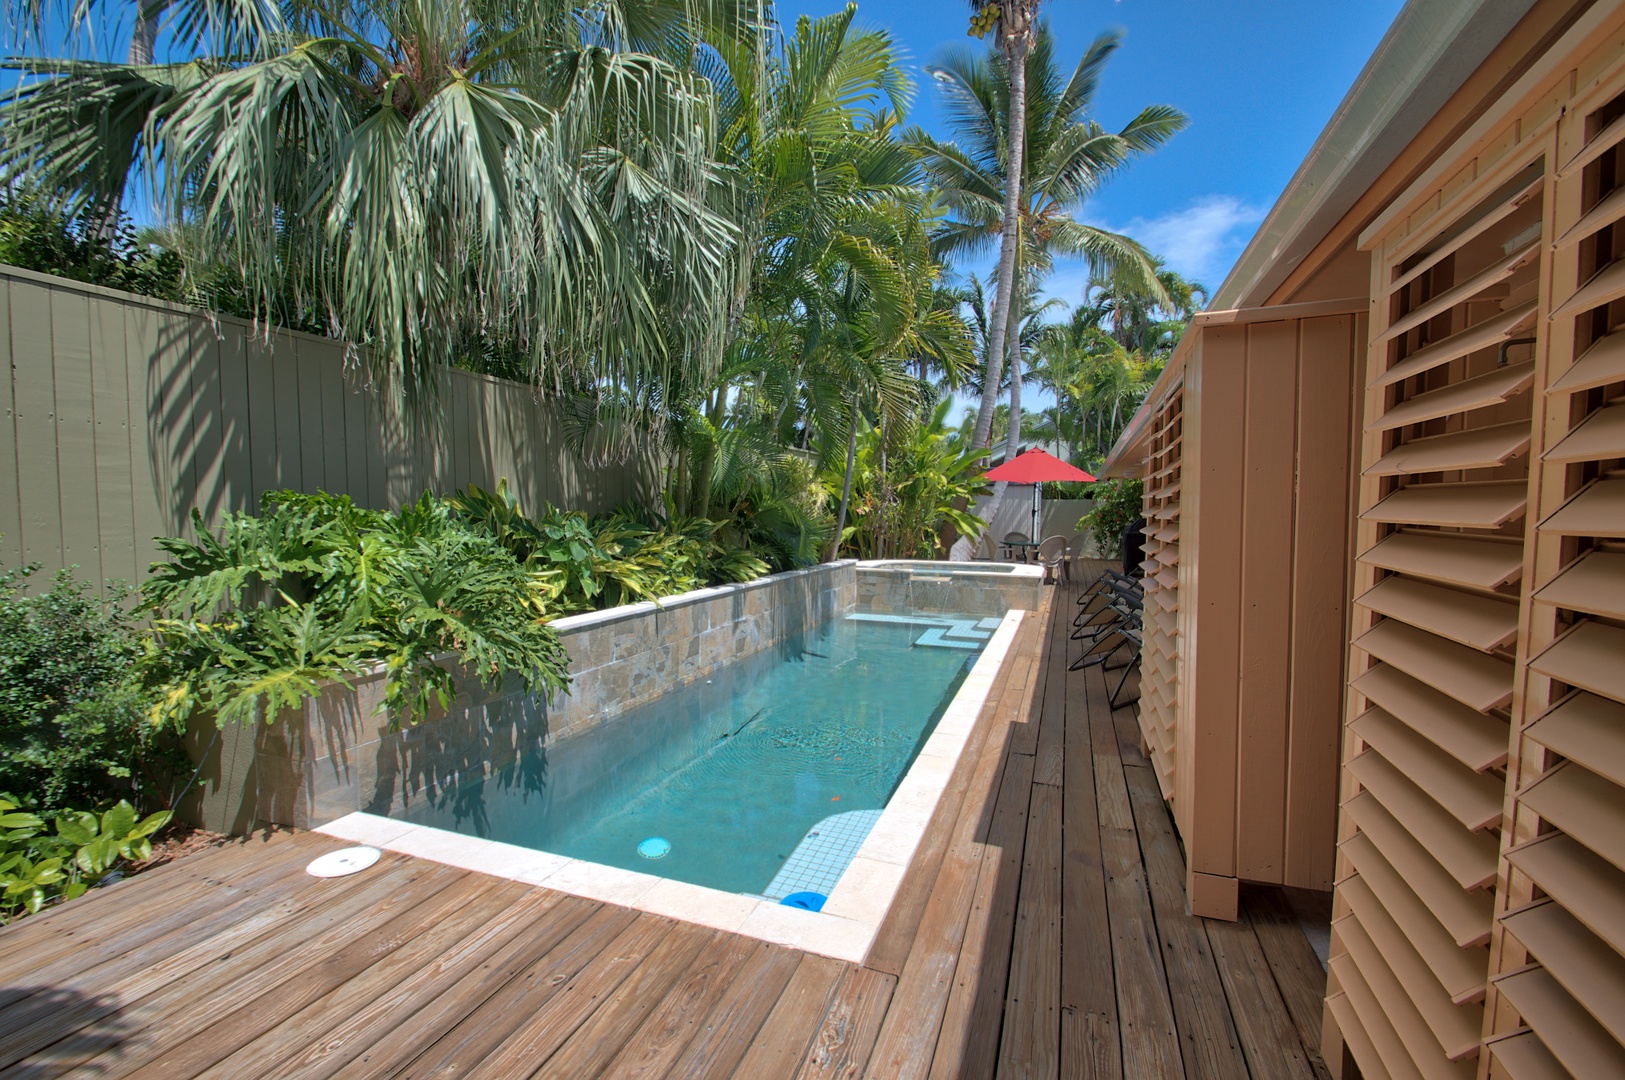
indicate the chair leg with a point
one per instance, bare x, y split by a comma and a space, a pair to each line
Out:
1112, 697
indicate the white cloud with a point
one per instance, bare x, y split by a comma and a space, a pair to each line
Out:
1203, 240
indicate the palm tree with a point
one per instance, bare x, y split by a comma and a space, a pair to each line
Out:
835, 295
1066, 157
426, 173
1098, 383
1013, 23
1141, 320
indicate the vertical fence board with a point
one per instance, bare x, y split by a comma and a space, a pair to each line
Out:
115, 477
236, 446
329, 362
356, 459
35, 396
11, 525
260, 369
206, 435
284, 357
149, 477
75, 432
312, 436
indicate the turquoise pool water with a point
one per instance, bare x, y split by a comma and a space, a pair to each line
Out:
733, 771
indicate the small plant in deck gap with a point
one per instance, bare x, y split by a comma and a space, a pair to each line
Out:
1117, 502
38, 867
315, 589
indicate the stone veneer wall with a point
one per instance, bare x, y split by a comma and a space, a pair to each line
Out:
337, 755
897, 590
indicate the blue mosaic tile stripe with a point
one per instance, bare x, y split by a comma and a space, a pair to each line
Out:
823, 855
935, 637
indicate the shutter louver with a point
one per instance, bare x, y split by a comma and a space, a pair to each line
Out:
1160, 647
1444, 505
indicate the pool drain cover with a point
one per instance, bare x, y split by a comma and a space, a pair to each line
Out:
656, 847
344, 862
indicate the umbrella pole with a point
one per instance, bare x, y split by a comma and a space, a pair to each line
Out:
1038, 502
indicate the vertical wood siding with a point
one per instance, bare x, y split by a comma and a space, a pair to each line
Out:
120, 414
1262, 586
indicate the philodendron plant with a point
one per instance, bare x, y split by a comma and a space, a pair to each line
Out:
38, 867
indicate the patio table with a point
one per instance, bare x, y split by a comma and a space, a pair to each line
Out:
1020, 549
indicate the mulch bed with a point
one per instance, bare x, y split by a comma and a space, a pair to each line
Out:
178, 840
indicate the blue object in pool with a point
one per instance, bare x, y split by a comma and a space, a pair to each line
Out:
806, 901
656, 847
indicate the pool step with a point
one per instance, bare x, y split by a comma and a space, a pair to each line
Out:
823, 854
944, 633
938, 637
917, 620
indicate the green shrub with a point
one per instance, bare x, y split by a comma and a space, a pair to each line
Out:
617, 558
1117, 502
38, 867
315, 589
73, 730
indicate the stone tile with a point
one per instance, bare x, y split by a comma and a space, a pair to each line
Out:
692, 903
914, 802
809, 931
864, 893
483, 856
894, 839
947, 741
359, 828
610, 884
929, 771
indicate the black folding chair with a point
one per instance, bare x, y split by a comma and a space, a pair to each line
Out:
1133, 636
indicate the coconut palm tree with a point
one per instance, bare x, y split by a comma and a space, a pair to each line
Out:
1013, 24
1140, 320
539, 173
1065, 156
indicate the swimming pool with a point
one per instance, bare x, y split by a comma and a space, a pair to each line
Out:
722, 779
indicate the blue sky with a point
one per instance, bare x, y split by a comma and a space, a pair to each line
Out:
1258, 78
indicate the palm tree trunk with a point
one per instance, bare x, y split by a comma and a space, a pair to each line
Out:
144, 38
846, 488
1012, 443
1015, 51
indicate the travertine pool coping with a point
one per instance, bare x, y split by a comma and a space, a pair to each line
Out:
851, 918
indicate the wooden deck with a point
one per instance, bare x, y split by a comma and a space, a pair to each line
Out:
1040, 933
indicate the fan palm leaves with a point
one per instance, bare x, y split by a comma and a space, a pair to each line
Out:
427, 173
1066, 157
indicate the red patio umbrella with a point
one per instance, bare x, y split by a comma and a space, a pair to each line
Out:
1037, 468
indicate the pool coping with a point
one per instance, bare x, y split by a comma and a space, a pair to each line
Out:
851, 917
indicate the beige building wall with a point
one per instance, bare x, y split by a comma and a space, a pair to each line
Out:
1246, 470
122, 413
1479, 864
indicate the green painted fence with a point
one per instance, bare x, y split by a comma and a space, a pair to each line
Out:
122, 413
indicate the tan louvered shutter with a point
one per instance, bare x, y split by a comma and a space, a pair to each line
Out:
1560, 938
1160, 651
1443, 503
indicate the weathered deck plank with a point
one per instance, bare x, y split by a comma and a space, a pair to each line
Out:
1207, 1035
1090, 1046
912, 1025
1040, 933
